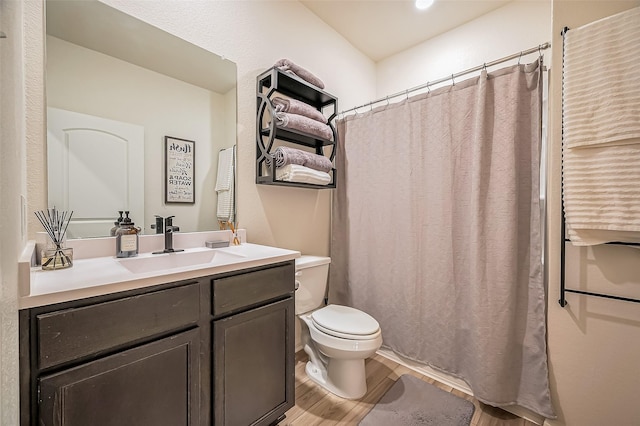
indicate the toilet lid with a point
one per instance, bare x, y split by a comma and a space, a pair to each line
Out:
343, 321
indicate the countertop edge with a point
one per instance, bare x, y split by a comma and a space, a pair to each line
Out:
33, 301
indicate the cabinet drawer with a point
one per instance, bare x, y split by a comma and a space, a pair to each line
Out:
74, 333
239, 291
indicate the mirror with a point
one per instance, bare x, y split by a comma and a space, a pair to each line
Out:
116, 87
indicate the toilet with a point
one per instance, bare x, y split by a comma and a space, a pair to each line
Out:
337, 338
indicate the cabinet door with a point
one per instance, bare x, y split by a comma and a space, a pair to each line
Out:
253, 365
154, 384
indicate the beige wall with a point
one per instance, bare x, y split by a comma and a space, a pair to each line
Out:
255, 34
85, 81
594, 344
12, 189
18, 106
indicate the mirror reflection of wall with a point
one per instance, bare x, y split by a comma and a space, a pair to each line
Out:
105, 64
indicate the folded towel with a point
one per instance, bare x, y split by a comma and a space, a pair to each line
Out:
304, 124
601, 194
293, 106
287, 65
602, 83
224, 185
285, 155
302, 174
601, 141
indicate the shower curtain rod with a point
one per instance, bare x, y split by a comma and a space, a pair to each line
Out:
452, 77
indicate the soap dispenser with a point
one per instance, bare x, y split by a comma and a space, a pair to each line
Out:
116, 224
127, 238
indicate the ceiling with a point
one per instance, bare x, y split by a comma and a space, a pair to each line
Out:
381, 28
99, 27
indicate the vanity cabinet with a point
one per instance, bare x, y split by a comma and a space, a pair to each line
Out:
216, 350
268, 84
253, 329
132, 358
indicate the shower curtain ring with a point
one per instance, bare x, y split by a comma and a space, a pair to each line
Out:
406, 93
453, 82
519, 57
428, 88
387, 99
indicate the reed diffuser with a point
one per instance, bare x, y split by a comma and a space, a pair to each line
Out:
55, 223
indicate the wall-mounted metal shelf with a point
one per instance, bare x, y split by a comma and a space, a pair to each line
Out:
267, 84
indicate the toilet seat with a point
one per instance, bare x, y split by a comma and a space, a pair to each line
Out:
345, 322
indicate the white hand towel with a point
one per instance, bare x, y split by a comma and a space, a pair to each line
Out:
302, 174
225, 169
224, 184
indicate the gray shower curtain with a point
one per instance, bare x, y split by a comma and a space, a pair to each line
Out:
436, 232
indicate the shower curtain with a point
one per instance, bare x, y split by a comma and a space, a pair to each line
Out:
436, 231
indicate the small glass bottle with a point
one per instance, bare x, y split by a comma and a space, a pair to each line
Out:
127, 238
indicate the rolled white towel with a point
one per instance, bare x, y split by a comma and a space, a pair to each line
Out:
302, 174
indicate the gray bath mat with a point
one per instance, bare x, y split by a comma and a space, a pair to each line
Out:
414, 402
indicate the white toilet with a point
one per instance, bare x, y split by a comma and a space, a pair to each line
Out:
337, 338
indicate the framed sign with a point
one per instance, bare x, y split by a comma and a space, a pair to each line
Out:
179, 170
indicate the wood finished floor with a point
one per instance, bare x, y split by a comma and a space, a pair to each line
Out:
316, 406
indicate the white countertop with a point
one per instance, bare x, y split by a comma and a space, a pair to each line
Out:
104, 275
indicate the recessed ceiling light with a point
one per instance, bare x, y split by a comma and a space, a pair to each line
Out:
423, 4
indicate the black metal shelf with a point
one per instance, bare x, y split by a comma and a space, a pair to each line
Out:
295, 87
267, 180
298, 137
275, 80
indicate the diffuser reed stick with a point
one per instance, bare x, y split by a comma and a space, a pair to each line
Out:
55, 223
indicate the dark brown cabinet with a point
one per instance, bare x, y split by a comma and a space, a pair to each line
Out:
251, 367
217, 350
253, 347
153, 384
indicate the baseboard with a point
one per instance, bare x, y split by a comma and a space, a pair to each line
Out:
455, 383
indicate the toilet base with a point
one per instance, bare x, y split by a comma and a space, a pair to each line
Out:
345, 378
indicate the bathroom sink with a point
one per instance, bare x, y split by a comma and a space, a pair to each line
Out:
190, 257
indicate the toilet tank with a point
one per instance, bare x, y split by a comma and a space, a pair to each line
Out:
312, 275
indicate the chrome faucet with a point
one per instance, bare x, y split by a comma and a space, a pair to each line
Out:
168, 229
